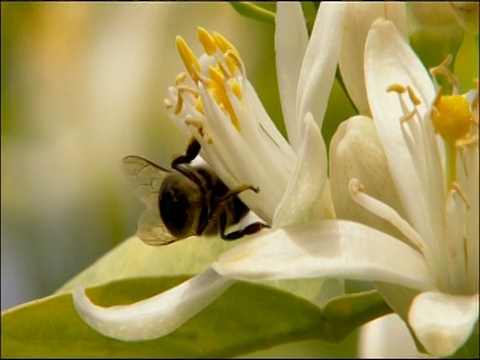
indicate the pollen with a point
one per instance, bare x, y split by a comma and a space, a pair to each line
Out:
236, 88
451, 117
207, 41
397, 88
223, 43
216, 75
199, 105
220, 74
189, 59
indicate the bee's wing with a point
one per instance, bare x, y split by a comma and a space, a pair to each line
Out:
151, 231
146, 179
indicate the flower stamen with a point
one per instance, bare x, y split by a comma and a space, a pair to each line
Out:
408, 117
442, 69
168, 104
207, 41
188, 57
386, 213
180, 78
413, 96
223, 43
456, 188
182, 89
198, 126
221, 66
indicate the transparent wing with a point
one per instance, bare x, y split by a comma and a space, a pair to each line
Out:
146, 178
151, 231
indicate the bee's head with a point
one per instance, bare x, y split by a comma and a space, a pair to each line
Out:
180, 204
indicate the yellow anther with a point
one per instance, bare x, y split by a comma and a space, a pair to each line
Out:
224, 69
199, 105
197, 124
207, 41
189, 59
187, 89
415, 99
216, 75
397, 88
181, 90
223, 43
407, 117
236, 88
234, 57
451, 117
180, 78
168, 104
231, 63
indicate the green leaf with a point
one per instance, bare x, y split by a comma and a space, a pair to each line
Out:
245, 318
133, 259
351, 311
250, 10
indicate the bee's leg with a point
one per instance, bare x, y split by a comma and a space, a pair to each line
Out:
193, 149
221, 215
234, 235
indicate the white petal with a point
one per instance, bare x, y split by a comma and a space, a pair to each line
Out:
328, 248
308, 180
443, 322
154, 317
387, 337
291, 39
320, 62
389, 60
359, 17
231, 157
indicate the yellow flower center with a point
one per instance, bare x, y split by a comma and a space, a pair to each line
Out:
221, 77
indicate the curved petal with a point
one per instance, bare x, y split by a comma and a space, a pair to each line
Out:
154, 317
291, 40
320, 62
308, 180
329, 248
443, 322
389, 60
359, 17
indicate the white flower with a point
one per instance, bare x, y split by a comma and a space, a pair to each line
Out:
215, 102
424, 262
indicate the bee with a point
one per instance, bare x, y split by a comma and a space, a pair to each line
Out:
185, 200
